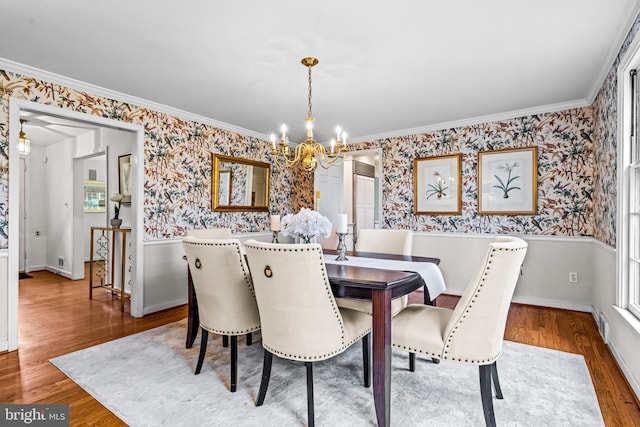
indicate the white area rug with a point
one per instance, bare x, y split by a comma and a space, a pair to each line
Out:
147, 380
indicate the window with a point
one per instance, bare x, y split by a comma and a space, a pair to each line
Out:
633, 211
629, 188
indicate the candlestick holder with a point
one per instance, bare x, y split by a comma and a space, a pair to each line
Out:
342, 248
274, 239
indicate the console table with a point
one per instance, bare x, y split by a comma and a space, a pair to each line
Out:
106, 246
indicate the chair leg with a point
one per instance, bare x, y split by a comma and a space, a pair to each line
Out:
310, 415
412, 362
234, 362
249, 338
366, 359
495, 380
485, 393
266, 374
203, 349
225, 341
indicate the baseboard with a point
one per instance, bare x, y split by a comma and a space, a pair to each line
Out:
164, 306
566, 305
542, 302
58, 271
627, 372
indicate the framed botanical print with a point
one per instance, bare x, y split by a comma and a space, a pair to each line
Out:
508, 182
124, 176
436, 185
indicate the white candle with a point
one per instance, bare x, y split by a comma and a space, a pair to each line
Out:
273, 141
275, 222
341, 226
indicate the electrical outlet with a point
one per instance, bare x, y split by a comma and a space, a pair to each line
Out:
573, 277
60, 261
37, 233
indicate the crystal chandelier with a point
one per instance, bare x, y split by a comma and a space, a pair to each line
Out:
24, 144
309, 153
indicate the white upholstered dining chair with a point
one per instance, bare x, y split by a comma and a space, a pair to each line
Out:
224, 291
299, 316
399, 242
395, 242
215, 233
473, 332
210, 233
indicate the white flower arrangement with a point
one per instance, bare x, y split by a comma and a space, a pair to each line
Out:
306, 225
117, 198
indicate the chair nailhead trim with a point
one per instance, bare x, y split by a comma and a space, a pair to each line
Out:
473, 299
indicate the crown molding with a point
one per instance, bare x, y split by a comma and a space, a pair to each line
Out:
507, 115
614, 51
26, 70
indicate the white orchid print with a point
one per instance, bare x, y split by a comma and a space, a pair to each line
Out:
438, 188
506, 186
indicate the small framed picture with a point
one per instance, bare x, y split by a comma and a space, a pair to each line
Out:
124, 175
508, 182
436, 185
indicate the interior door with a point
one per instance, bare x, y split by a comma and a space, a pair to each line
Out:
365, 195
328, 192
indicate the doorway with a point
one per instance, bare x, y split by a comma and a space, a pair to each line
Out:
20, 107
336, 191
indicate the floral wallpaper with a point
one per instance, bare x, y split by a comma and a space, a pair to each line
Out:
565, 174
177, 162
605, 156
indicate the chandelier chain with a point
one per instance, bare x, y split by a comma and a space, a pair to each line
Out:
309, 112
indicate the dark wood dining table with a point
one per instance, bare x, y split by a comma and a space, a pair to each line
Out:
379, 286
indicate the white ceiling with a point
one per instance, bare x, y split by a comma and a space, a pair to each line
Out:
43, 129
385, 67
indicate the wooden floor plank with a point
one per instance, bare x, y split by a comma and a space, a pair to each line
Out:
56, 317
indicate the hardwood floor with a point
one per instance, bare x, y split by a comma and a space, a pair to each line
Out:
56, 317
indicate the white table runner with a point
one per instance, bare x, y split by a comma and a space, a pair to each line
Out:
429, 271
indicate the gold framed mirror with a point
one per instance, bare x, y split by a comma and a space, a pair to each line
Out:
239, 184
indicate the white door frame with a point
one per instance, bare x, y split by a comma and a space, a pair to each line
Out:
137, 289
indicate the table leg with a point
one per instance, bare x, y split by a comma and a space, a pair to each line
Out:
193, 317
381, 328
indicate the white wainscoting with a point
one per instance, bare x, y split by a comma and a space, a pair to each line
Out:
4, 301
545, 273
165, 272
624, 329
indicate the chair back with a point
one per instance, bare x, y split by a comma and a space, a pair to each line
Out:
210, 233
300, 318
221, 278
475, 329
397, 242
